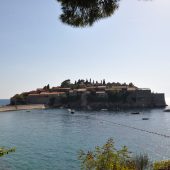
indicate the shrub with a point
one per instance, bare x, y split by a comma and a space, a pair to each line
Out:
162, 165
141, 162
106, 158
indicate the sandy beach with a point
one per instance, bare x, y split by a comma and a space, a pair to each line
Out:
21, 107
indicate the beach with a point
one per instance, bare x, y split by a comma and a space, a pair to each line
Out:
21, 107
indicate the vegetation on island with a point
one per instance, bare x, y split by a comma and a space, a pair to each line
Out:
81, 83
108, 157
19, 99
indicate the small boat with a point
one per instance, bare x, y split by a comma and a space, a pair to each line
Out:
104, 109
145, 118
135, 113
72, 111
167, 110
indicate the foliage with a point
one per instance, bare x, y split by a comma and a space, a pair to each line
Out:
80, 13
109, 158
65, 84
131, 85
162, 165
4, 151
19, 99
106, 158
141, 162
47, 88
81, 83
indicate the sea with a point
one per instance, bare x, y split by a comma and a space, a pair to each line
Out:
51, 139
4, 102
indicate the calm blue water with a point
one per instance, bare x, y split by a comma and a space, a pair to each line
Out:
50, 139
4, 102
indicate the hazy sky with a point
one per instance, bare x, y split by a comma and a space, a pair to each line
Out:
36, 48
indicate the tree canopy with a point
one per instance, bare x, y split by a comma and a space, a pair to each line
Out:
81, 13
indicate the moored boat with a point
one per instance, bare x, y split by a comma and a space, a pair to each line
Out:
135, 113
71, 111
145, 118
167, 110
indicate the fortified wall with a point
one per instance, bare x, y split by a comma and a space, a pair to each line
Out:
133, 99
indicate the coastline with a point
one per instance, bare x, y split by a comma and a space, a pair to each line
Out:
21, 107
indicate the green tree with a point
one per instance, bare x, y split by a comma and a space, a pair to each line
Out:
81, 13
47, 87
66, 83
131, 85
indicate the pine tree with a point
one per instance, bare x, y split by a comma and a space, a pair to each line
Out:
104, 83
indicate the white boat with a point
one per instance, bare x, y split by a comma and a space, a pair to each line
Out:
71, 111
104, 109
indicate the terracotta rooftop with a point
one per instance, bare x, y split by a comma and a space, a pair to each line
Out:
47, 93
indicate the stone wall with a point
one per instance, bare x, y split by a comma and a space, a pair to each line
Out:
130, 99
44, 99
158, 100
143, 98
38, 99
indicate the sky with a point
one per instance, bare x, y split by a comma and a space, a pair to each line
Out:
36, 49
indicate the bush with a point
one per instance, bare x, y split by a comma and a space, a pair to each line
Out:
108, 157
141, 162
162, 165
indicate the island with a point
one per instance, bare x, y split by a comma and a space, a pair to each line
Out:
91, 95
